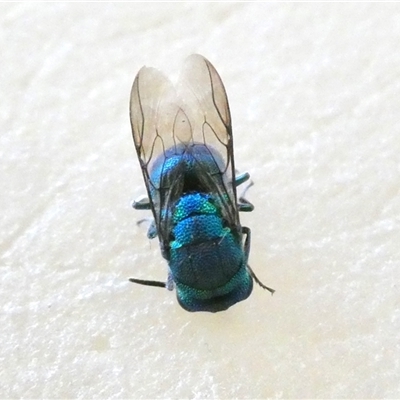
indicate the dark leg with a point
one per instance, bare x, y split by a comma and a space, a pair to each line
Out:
142, 203
246, 231
244, 205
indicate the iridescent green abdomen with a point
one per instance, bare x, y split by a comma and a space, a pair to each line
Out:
207, 261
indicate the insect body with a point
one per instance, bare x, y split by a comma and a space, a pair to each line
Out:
183, 139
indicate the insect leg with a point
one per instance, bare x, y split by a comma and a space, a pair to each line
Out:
246, 231
241, 178
142, 203
152, 231
244, 205
170, 282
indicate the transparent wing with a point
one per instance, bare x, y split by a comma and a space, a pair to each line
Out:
205, 103
153, 108
195, 111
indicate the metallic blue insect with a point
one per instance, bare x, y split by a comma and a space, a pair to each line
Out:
183, 138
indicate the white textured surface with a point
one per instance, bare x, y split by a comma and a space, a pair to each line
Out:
315, 97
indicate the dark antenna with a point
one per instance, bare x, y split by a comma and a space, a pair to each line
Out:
259, 282
148, 283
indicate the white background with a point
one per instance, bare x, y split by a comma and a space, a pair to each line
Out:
315, 101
